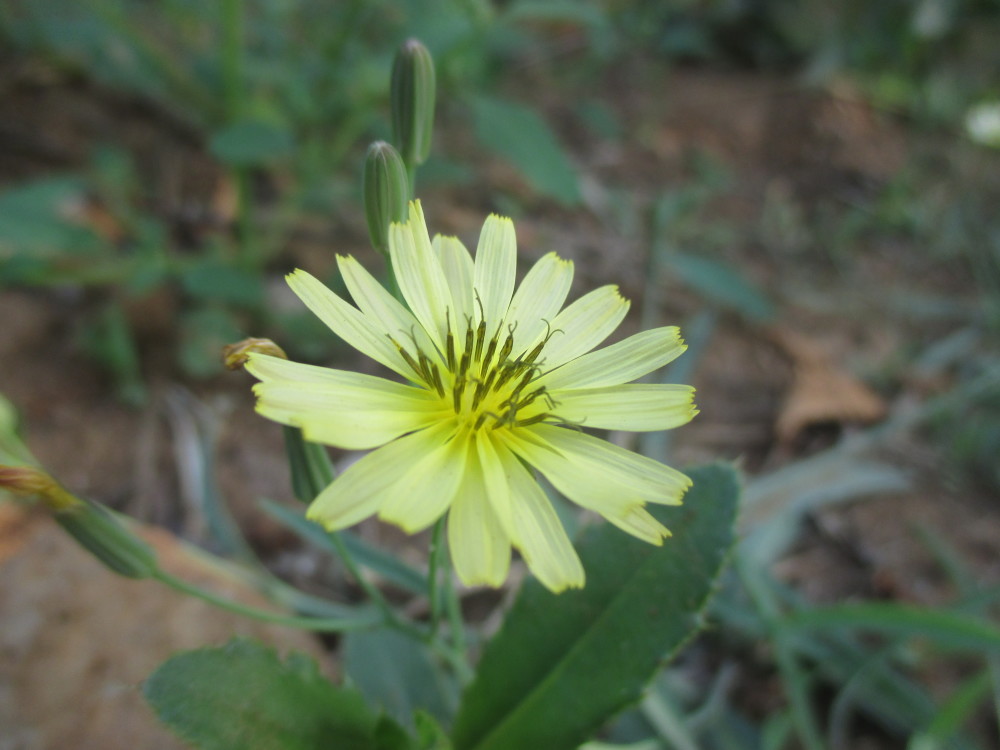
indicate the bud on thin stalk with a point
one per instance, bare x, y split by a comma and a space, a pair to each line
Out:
412, 96
93, 526
386, 192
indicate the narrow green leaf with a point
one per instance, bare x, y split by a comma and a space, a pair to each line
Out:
518, 134
563, 664
242, 695
308, 463
397, 673
723, 284
386, 565
955, 711
947, 629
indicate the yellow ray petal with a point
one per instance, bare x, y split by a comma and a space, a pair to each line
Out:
619, 363
426, 489
637, 407
538, 299
359, 491
537, 531
458, 269
364, 334
419, 274
479, 545
496, 265
375, 302
584, 324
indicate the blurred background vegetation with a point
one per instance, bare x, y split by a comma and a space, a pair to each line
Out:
794, 182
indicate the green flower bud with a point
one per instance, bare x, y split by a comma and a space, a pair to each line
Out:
386, 191
412, 97
100, 533
93, 526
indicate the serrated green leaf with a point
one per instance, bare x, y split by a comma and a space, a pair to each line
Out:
525, 139
398, 674
563, 664
241, 696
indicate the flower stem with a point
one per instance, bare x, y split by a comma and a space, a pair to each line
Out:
454, 605
232, 58
318, 624
390, 616
433, 574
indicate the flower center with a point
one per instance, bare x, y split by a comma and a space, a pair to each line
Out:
481, 383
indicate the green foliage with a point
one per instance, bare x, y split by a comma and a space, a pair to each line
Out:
721, 284
398, 674
109, 341
389, 567
100, 532
931, 58
640, 604
522, 137
251, 143
242, 695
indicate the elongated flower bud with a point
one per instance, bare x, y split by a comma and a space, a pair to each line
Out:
412, 95
386, 192
93, 526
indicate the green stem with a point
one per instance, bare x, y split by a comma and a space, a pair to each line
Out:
454, 605
317, 624
311, 472
372, 591
248, 256
434, 563
411, 174
232, 58
233, 97
442, 594
454, 658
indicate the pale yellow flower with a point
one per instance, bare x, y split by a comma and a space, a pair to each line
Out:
497, 381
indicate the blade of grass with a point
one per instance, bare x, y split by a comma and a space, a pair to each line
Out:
793, 678
668, 722
955, 711
947, 629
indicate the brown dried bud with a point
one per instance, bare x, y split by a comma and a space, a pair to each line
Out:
234, 356
28, 480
